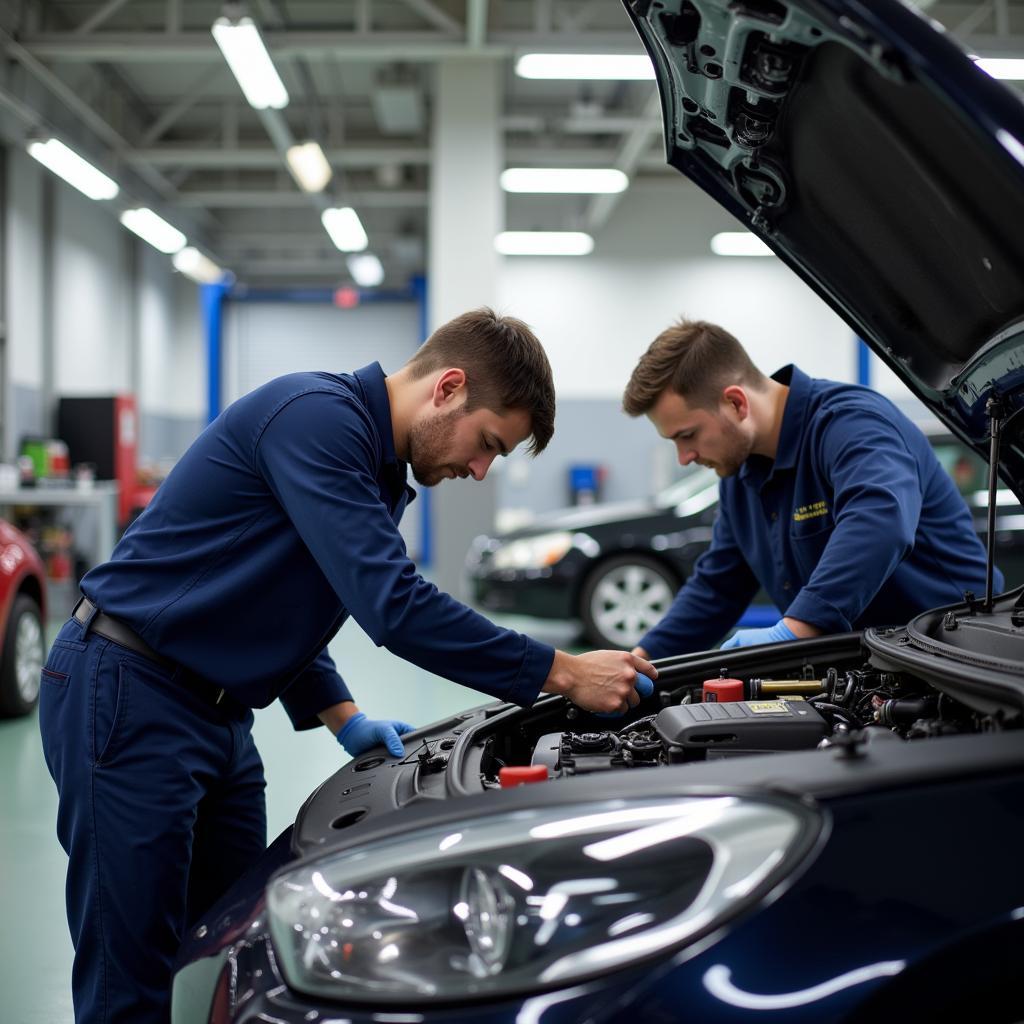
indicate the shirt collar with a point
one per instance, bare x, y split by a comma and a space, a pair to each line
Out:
371, 382
375, 392
757, 469
793, 416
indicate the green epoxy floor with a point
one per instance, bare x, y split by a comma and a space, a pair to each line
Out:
35, 948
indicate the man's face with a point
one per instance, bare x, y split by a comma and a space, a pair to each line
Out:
449, 443
711, 437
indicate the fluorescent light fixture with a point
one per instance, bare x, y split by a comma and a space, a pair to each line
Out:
242, 45
67, 164
346, 231
153, 229
192, 263
1009, 69
564, 179
309, 166
738, 243
544, 243
607, 66
366, 270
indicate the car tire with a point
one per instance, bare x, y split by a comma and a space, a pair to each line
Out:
623, 598
21, 662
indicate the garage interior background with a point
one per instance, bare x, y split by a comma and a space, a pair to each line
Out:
418, 108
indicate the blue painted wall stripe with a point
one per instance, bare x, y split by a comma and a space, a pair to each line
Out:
419, 287
211, 298
863, 363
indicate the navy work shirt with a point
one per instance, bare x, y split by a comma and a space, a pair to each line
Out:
854, 523
279, 522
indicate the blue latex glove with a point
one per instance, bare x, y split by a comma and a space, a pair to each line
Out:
360, 734
768, 635
644, 686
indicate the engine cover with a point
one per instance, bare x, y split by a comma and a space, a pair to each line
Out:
745, 726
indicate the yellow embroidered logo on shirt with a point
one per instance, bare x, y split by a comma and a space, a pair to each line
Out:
812, 511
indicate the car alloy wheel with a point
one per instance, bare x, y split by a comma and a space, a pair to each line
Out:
625, 597
22, 662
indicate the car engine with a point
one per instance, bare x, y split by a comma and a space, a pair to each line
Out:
733, 717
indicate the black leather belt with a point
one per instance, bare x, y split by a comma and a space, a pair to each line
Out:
110, 628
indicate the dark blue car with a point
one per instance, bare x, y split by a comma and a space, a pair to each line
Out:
844, 842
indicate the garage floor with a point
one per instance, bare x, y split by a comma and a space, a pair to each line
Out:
35, 949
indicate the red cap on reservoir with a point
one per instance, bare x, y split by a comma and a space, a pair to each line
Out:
722, 690
520, 774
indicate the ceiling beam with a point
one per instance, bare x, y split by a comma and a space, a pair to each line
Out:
476, 23
420, 47
100, 16
431, 13
262, 158
84, 113
240, 199
634, 146
189, 98
996, 45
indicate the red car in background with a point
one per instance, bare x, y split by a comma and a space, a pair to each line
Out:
22, 614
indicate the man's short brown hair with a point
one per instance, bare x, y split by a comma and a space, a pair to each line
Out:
697, 360
505, 367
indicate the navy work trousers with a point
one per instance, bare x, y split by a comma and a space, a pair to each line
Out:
161, 807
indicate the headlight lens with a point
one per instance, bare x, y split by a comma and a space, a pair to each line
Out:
513, 902
533, 552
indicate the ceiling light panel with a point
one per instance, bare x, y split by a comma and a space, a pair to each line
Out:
242, 45
576, 180
593, 66
366, 270
544, 243
1010, 69
738, 243
345, 228
201, 269
309, 166
153, 229
67, 164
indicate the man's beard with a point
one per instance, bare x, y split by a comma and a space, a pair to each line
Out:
736, 451
429, 444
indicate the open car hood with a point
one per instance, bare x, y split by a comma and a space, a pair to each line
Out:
873, 157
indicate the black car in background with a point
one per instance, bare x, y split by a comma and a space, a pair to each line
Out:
615, 566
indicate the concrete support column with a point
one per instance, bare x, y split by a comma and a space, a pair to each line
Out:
466, 212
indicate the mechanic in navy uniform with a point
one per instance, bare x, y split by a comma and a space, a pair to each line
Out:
278, 523
830, 498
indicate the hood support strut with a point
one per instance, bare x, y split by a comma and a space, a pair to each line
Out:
996, 411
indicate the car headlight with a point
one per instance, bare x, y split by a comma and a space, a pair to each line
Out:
511, 903
533, 552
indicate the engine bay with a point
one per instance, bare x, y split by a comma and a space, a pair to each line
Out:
735, 716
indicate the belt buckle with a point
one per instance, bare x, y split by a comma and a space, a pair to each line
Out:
220, 695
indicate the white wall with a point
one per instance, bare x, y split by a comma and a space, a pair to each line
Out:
597, 314
23, 264
92, 298
171, 341
263, 340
